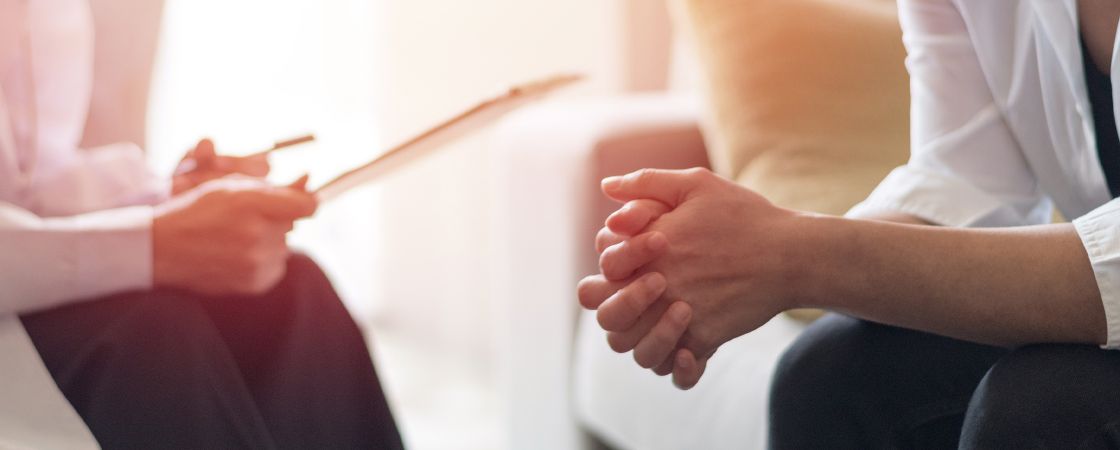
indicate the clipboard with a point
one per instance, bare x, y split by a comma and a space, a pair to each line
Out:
484, 114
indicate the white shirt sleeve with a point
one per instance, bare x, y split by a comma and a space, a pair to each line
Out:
78, 227
89, 234
966, 168
1100, 233
50, 261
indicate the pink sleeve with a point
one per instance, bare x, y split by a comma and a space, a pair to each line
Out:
89, 180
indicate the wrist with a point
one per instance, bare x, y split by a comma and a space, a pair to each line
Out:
165, 271
819, 260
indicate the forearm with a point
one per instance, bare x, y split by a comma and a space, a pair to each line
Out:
1009, 286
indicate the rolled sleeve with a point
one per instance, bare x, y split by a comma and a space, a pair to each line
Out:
946, 200
966, 168
1100, 234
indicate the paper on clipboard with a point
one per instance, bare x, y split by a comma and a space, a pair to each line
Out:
486, 113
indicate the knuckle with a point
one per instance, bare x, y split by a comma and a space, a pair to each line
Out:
642, 244
608, 263
641, 359
618, 313
701, 340
646, 207
698, 173
643, 176
606, 319
630, 301
645, 357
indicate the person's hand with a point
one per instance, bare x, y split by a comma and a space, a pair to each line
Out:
227, 236
203, 164
729, 255
631, 309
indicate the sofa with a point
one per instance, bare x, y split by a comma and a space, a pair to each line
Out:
804, 101
563, 387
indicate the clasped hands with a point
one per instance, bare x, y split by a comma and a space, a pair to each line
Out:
690, 262
224, 229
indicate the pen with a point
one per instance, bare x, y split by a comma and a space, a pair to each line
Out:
307, 138
191, 165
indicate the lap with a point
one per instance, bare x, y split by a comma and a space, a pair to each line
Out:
289, 367
874, 385
169, 325
867, 385
1048, 396
883, 364
138, 367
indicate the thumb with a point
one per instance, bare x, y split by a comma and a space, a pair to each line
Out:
300, 184
204, 154
670, 187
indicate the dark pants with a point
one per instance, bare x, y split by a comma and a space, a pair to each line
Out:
169, 369
852, 384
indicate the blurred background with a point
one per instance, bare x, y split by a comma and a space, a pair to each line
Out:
412, 255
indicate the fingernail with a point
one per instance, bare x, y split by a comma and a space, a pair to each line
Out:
657, 242
611, 183
655, 282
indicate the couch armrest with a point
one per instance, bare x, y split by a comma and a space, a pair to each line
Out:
547, 209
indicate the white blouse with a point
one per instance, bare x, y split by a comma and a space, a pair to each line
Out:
73, 221
1002, 128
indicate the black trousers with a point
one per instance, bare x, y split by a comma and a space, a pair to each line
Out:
168, 369
852, 384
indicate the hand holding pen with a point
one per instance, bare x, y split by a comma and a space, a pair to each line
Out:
203, 164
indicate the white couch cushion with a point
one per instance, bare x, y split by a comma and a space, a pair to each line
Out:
631, 408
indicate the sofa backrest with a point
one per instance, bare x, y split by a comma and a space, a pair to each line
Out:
807, 101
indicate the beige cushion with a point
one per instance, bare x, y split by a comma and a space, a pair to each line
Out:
807, 100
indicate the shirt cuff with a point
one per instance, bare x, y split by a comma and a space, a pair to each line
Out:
1100, 234
112, 251
945, 200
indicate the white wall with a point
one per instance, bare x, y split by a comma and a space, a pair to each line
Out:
411, 255
442, 55
250, 72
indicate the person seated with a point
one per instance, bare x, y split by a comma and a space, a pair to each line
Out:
170, 313
984, 332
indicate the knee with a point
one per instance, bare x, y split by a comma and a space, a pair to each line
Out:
305, 278
306, 291
302, 265
161, 323
1025, 394
303, 268
162, 337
